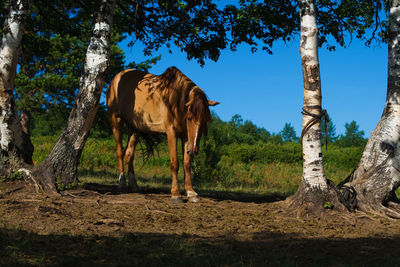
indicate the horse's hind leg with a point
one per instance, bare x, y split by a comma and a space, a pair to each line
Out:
116, 122
129, 157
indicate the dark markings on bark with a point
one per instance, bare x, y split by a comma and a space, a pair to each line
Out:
347, 195
316, 162
388, 148
305, 9
315, 119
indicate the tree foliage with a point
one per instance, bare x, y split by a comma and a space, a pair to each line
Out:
288, 133
353, 136
330, 135
57, 34
197, 28
267, 21
261, 23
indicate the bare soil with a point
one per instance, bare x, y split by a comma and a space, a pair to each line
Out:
97, 226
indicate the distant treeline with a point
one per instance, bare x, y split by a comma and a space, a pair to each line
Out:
236, 130
246, 132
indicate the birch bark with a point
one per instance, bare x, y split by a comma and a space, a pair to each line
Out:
313, 190
61, 164
11, 139
378, 173
313, 169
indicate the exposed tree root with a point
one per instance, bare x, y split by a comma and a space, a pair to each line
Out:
30, 178
39, 178
376, 193
391, 211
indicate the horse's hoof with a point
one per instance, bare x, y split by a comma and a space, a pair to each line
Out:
194, 199
135, 189
192, 196
122, 189
132, 184
176, 200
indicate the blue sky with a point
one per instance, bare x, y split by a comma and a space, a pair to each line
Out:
268, 89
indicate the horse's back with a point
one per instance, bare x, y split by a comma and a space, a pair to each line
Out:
122, 87
134, 95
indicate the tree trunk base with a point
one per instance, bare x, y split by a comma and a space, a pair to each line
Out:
376, 191
314, 202
40, 177
378, 207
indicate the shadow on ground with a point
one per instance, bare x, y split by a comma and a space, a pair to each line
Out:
213, 194
136, 249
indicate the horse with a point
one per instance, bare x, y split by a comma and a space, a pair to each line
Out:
151, 105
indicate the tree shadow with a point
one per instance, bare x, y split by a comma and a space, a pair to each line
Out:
20, 248
102, 188
164, 188
162, 185
242, 197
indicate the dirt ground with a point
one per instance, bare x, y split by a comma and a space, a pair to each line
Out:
98, 226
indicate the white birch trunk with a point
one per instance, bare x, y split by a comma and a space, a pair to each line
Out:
313, 169
62, 162
313, 191
11, 141
378, 173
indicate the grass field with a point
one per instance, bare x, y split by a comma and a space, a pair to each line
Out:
256, 169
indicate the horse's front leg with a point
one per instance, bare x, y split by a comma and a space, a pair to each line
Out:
187, 166
174, 166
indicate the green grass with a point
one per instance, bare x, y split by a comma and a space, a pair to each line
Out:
254, 169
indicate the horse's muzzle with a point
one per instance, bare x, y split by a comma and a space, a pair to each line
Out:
191, 152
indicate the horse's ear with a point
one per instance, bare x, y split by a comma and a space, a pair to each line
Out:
212, 103
188, 104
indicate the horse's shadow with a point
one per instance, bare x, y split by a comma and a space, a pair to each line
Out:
164, 188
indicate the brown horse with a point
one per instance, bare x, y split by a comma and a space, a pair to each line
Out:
149, 104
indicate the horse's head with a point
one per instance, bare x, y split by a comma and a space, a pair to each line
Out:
197, 117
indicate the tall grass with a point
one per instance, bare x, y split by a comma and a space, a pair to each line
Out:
259, 168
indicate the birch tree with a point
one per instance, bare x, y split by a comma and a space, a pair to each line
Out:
61, 164
11, 136
378, 174
313, 189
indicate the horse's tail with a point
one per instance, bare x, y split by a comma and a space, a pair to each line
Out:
148, 143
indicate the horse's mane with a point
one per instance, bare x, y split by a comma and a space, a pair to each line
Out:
180, 86
199, 106
173, 78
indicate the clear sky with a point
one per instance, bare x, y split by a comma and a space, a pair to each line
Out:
268, 89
